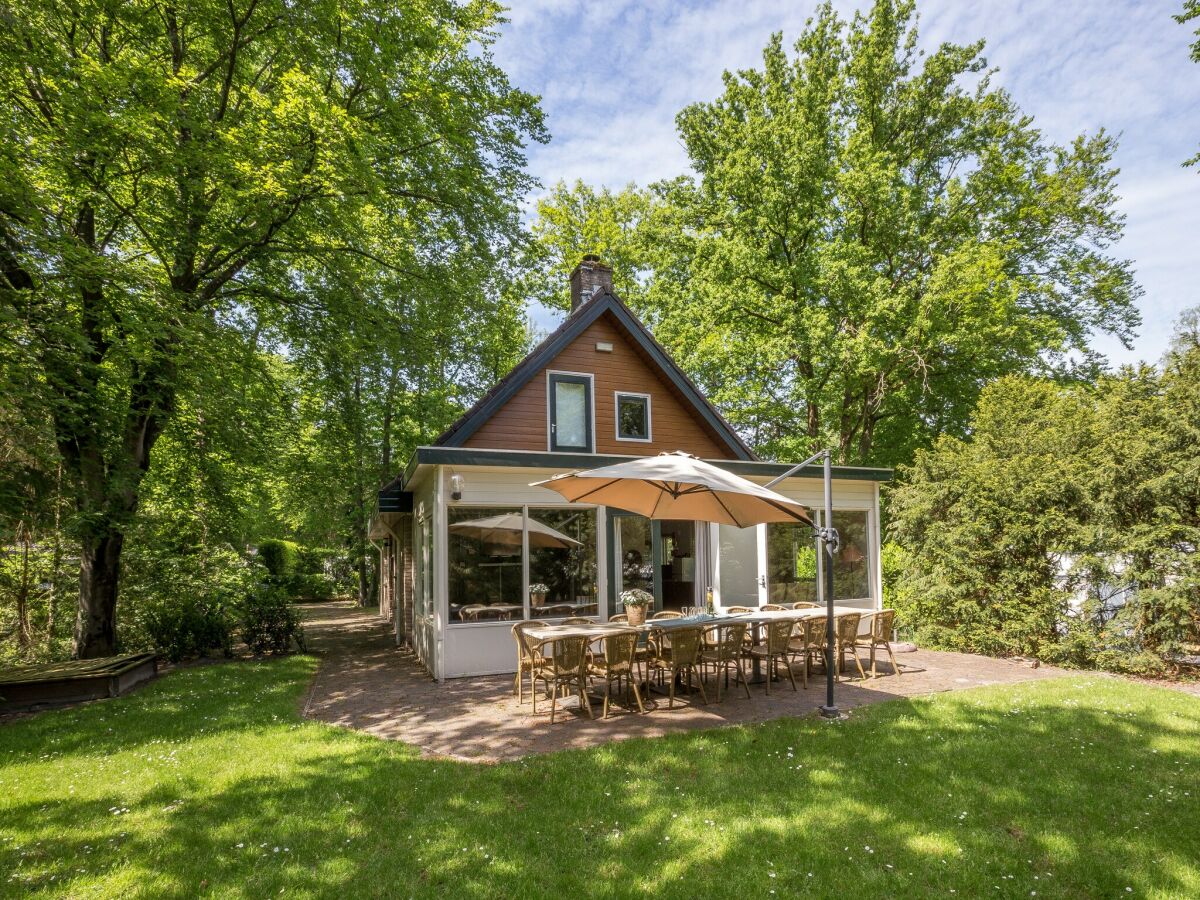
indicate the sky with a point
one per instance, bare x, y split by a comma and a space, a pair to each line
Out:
612, 74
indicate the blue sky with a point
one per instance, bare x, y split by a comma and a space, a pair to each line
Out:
613, 73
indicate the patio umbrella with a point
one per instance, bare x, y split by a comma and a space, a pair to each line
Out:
505, 530
678, 486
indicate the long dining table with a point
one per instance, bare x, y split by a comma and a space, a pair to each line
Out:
595, 631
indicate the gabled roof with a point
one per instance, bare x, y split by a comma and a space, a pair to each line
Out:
558, 340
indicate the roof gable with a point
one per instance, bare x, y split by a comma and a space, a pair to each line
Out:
571, 329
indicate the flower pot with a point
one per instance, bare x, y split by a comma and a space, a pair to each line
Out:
537, 599
637, 615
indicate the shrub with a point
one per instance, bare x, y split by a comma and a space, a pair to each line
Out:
310, 587
190, 626
181, 603
269, 623
280, 557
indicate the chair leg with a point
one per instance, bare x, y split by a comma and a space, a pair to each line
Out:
583, 698
873, 675
791, 675
740, 675
553, 704
637, 695
607, 691
518, 684
858, 662
703, 694
770, 673
671, 693
892, 657
722, 675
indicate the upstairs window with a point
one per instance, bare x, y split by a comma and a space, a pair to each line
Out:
633, 417
570, 412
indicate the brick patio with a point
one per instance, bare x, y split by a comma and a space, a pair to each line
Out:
365, 682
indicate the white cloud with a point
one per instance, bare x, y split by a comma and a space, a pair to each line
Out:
614, 73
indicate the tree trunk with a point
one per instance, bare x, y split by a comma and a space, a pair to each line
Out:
99, 570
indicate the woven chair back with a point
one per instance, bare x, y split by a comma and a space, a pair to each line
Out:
726, 640
577, 620
741, 609
847, 627
813, 631
667, 614
805, 605
881, 625
568, 653
774, 607
685, 646
779, 635
620, 650
619, 617
524, 645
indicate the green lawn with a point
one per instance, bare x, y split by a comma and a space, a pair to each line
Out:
208, 782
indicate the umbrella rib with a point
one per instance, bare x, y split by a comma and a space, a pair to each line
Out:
599, 487
736, 520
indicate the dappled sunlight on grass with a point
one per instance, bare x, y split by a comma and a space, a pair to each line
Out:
208, 781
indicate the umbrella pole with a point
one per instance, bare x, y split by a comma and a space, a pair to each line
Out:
829, 543
827, 537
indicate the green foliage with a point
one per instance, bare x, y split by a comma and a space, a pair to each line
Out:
1191, 12
280, 557
184, 602
872, 233
269, 622
181, 188
1066, 528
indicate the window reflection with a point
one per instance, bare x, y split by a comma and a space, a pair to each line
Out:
634, 553
485, 564
791, 564
562, 560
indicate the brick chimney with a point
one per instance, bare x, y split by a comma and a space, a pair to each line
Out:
589, 277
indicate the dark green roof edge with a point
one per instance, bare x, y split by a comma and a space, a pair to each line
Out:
471, 456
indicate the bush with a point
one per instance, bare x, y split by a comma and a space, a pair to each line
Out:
188, 627
269, 623
310, 587
181, 603
280, 557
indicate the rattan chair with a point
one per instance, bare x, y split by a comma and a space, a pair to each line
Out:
774, 607
618, 661
724, 650
566, 666
667, 614
880, 635
777, 649
804, 604
618, 618
578, 620
808, 637
679, 657
845, 629
741, 609
528, 659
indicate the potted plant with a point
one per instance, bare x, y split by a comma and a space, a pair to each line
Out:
537, 594
636, 602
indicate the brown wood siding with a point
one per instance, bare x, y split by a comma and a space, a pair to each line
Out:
521, 423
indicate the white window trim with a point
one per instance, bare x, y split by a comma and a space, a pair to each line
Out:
617, 395
591, 378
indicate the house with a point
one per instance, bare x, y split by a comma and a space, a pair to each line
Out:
468, 546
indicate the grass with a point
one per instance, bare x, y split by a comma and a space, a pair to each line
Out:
207, 782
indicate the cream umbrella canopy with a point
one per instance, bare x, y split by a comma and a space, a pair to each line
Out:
678, 486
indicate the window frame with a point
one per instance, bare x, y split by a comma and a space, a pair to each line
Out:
589, 415
600, 548
618, 396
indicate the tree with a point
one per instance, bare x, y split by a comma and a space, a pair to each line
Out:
1191, 12
168, 172
870, 235
1066, 527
